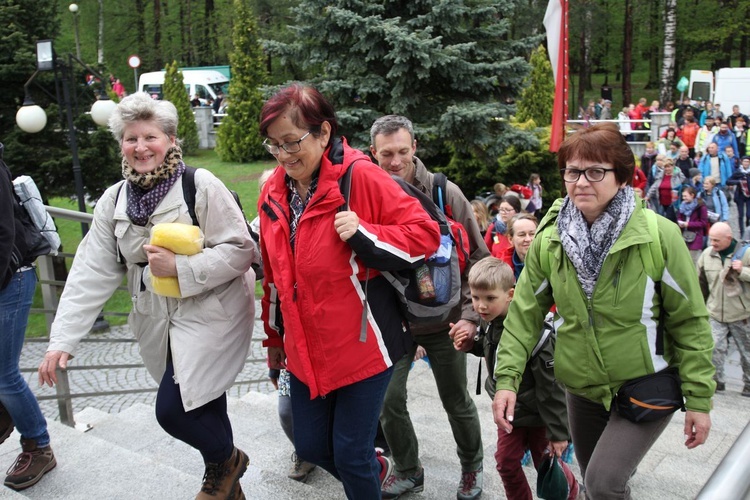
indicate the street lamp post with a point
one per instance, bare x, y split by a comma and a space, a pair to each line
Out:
73, 8
31, 118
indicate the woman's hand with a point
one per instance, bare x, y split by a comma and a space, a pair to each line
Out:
48, 367
697, 426
161, 261
276, 358
346, 224
503, 409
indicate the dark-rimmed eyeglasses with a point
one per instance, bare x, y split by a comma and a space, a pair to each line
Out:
591, 174
289, 147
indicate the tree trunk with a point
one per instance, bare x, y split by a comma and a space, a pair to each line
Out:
743, 51
725, 61
100, 44
652, 53
667, 68
209, 46
140, 30
586, 55
158, 60
627, 53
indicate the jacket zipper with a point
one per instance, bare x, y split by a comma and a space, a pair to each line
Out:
616, 282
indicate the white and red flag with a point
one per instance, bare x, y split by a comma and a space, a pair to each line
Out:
556, 24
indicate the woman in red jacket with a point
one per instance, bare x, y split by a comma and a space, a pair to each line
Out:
521, 231
331, 319
495, 237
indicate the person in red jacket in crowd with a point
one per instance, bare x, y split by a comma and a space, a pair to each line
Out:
495, 238
521, 231
689, 134
331, 318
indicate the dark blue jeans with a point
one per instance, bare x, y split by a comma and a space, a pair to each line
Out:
15, 395
207, 429
337, 432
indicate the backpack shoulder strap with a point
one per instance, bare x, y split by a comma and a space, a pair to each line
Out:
345, 186
188, 192
439, 186
652, 257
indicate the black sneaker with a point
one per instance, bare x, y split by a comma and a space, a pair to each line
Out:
720, 386
30, 466
746, 391
6, 424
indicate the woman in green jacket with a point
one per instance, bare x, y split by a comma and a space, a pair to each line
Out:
588, 259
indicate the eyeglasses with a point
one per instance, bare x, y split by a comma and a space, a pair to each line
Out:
591, 174
289, 147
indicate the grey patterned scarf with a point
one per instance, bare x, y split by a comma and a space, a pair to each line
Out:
587, 247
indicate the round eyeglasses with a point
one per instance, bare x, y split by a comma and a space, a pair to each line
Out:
289, 147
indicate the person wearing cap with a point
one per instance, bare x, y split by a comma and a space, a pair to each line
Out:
728, 315
706, 134
741, 179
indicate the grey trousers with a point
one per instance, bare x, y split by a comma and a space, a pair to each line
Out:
608, 447
740, 331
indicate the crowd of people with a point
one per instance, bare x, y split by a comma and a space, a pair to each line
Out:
567, 305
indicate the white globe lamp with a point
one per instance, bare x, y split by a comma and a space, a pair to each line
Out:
102, 110
31, 118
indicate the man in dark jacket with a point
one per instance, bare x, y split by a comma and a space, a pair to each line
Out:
393, 146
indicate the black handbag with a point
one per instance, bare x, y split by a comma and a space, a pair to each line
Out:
653, 396
650, 397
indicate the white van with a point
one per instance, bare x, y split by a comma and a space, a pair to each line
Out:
205, 83
728, 86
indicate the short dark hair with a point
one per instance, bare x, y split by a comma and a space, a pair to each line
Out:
308, 106
603, 143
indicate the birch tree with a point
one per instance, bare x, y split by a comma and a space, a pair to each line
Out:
667, 68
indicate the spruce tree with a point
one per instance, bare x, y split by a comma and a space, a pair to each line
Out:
174, 92
448, 65
538, 97
239, 136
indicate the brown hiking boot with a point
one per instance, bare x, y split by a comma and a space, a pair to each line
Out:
238, 494
30, 465
221, 481
6, 424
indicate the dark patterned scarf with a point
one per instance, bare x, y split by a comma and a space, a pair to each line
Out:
145, 191
587, 247
297, 205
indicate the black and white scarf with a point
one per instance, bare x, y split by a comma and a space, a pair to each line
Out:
587, 247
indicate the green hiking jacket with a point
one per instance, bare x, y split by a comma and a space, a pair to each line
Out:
610, 339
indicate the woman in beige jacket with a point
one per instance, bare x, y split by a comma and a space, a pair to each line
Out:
193, 346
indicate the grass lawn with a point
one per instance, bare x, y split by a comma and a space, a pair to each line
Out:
240, 177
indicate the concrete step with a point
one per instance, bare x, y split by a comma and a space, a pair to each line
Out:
127, 455
89, 467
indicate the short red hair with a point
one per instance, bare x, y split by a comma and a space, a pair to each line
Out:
308, 106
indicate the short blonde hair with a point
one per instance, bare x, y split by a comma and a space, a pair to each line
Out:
491, 273
483, 216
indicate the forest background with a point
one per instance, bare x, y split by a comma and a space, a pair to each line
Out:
459, 69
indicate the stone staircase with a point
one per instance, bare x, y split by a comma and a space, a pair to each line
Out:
128, 456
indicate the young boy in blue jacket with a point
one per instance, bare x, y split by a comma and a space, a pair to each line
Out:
541, 419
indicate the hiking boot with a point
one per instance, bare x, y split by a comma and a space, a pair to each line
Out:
6, 424
386, 468
396, 485
470, 487
221, 481
300, 469
720, 386
238, 493
746, 391
30, 466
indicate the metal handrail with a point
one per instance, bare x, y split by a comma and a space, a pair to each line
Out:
730, 479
